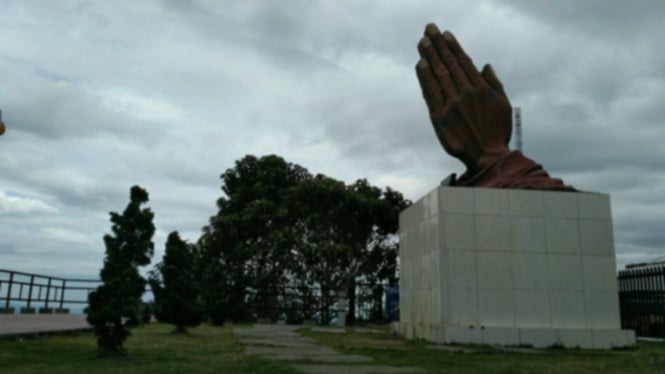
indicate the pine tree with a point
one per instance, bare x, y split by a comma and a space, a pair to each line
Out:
116, 302
176, 287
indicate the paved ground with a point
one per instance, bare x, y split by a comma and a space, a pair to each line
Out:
283, 342
22, 324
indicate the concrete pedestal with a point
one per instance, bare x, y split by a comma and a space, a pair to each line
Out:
510, 267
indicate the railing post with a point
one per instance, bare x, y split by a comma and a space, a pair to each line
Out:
48, 292
9, 289
62, 292
32, 282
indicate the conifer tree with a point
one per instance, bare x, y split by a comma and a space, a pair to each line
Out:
176, 287
116, 302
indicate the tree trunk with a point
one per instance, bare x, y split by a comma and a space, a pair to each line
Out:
351, 316
180, 330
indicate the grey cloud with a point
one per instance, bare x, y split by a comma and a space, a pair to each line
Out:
329, 85
641, 235
598, 18
55, 109
316, 27
23, 64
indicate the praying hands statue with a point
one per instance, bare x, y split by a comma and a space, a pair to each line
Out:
472, 118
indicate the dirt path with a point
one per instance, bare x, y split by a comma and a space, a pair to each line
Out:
22, 324
283, 342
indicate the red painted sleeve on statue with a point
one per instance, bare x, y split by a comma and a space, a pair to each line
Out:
514, 171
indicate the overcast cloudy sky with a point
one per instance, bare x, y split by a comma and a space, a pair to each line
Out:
101, 95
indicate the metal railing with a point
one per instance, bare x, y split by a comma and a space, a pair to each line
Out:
642, 300
300, 304
30, 290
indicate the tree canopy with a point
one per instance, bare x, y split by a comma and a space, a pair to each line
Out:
278, 228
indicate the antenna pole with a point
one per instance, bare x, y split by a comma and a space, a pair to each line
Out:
518, 128
2, 124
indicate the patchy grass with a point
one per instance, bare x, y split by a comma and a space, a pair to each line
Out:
154, 349
390, 350
151, 349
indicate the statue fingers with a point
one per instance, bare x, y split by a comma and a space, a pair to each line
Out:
449, 59
494, 82
438, 69
464, 60
429, 84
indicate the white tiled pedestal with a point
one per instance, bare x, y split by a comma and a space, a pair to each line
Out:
510, 267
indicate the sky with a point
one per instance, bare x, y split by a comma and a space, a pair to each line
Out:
102, 95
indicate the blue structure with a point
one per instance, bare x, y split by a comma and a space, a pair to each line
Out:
391, 311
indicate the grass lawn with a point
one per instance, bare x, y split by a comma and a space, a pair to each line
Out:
390, 350
152, 349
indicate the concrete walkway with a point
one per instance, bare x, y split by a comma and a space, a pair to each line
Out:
32, 324
283, 342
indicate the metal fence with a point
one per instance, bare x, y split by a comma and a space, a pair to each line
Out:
312, 304
34, 293
42, 293
642, 300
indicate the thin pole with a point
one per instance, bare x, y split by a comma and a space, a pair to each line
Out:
62, 292
518, 128
48, 292
9, 289
32, 281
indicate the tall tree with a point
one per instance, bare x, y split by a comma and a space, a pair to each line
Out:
214, 276
368, 232
116, 302
346, 233
278, 226
175, 286
318, 208
245, 243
